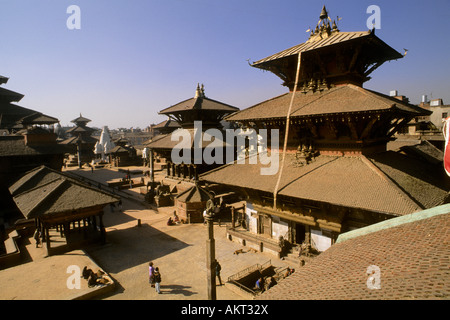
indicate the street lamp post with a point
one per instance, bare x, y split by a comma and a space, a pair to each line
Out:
79, 153
211, 254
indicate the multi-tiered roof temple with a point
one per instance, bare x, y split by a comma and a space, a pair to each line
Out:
336, 170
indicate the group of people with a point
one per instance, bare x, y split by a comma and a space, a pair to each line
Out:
154, 277
265, 284
173, 221
97, 278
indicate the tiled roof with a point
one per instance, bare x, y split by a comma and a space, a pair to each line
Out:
118, 149
194, 194
11, 114
3, 79
81, 119
202, 103
166, 124
333, 39
425, 150
341, 99
15, 146
77, 129
355, 182
426, 183
83, 139
10, 96
165, 141
38, 118
412, 257
44, 192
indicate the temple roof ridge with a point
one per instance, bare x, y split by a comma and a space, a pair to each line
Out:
323, 28
329, 57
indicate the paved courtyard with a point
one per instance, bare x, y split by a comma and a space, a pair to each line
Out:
179, 251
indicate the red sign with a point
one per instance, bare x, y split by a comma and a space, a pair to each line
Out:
446, 132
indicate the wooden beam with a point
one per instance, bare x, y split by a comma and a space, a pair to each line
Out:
353, 131
368, 128
354, 58
68, 217
296, 217
47, 236
321, 65
373, 68
398, 125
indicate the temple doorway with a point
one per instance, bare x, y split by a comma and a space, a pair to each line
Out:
299, 233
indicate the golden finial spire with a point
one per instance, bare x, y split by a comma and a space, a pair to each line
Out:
324, 13
197, 91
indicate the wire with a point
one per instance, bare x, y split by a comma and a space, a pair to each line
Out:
286, 134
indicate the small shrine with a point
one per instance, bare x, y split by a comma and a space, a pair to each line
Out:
81, 142
104, 146
191, 203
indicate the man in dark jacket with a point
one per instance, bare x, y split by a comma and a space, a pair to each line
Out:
218, 268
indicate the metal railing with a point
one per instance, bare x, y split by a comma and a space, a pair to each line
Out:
249, 270
242, 287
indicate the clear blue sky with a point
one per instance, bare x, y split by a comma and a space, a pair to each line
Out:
131, 59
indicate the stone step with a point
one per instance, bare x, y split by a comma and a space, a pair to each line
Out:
292, 258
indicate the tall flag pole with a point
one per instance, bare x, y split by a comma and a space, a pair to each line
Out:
446, 132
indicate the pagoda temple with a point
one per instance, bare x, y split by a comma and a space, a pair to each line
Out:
26, 138
332, 109
13, 117
336, 172
81, 142
27, 141
199, 109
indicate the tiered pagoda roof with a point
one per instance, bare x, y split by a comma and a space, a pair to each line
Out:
341, 128
330, 107
80, 133
330, 57
391, 183
340, 100
14, 117
81, 121
199, 108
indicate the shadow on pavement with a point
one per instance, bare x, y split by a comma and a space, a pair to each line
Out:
134, 246
177, 289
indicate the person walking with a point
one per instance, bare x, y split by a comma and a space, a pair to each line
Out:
37, 237
218, 268
151, 274
157, 277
